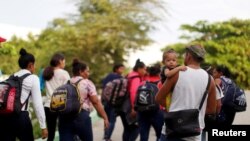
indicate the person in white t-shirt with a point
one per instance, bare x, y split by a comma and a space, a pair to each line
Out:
54, 76
188, 88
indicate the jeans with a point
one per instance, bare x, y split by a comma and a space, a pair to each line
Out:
203, 136
51, 118
145, 120
131, 131
110, 111
79, 125
16, 126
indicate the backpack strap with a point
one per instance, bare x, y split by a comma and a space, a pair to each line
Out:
24, 76
205, 93
219, 89
27, 100
77, 82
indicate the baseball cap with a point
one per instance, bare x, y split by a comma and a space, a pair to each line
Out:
198, 50
2, 39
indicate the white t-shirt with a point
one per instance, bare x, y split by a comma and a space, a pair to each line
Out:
219, 93
60, 77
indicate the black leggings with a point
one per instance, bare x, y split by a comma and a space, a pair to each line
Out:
16, 126
51, 118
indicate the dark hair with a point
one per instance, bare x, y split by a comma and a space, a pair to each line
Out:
209, 69
165, 53
48, 72
25, 58
154, 70
56, 58
78, 66
117, 66
224, 70
138, 64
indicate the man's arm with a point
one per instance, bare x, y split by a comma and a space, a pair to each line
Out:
166, 89
211, 100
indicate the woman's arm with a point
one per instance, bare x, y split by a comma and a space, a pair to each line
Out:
38, 105
99, 108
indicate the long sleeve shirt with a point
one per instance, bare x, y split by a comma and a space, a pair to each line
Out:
31, 85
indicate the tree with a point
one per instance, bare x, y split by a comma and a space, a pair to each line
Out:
103, 32
227, 43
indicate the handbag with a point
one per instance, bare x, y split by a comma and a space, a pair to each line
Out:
184, 123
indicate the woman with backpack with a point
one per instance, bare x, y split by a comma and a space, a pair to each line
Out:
19, 125
227, 115
129, 118
109, 109
54, 76
80, 124
150, 115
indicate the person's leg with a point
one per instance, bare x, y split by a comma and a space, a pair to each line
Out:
163, 137
7, 129
112, 119
83, 126
51, 120
203, 135
65, 126
144, 126
24, 127
125, 135
157, 121
133, 132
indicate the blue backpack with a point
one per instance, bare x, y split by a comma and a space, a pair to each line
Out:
66, 99
234, 97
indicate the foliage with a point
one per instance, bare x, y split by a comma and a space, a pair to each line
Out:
102, 33
227, 43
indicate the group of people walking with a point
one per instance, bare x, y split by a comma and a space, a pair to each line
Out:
20, 126
180, 87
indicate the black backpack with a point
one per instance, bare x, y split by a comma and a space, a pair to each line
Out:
66, 99
145, 97
10, 95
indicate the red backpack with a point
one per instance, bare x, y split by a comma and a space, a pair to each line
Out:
10, 94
